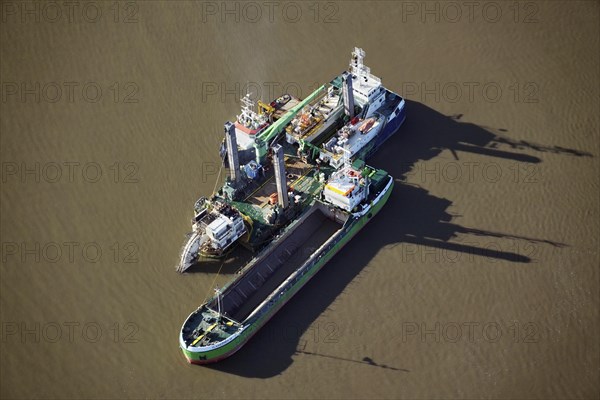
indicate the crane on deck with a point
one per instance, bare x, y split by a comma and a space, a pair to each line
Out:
263, 139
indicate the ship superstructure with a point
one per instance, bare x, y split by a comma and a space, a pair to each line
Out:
249, 123
216, 226
346, 188
382, 112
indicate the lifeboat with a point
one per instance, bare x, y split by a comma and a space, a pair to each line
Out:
367, 125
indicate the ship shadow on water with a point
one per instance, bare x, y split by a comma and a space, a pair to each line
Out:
411, 216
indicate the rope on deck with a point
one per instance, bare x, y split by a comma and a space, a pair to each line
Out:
213, 282
218, 178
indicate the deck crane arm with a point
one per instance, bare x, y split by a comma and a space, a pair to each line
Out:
265, 108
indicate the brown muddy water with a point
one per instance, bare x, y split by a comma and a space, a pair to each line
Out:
479, 279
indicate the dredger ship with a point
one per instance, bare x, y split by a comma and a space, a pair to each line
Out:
298, 190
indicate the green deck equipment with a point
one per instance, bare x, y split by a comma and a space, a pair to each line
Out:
262, 140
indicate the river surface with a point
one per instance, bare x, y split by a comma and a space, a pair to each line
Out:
479, 279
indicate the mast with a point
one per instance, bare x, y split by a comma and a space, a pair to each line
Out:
346, 156
348, 94
279, 166
232, 152
357, 67
248, 104
218, 292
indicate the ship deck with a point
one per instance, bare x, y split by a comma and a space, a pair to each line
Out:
254, 285
302, 177
355, 142
281, 111
257, 201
